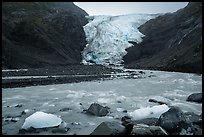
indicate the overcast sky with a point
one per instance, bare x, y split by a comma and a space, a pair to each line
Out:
120, 8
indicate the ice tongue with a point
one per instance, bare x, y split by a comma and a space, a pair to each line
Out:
108, 36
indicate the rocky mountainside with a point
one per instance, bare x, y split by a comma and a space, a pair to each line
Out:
42, 34
173, 42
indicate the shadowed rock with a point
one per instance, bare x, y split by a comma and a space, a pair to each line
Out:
42, 34
142, 129
159, 102
173, 121
109, 128
193, 118
97, 110
195, 97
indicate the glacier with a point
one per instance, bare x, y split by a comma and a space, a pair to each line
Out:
108, 36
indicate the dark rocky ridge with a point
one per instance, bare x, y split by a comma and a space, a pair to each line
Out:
42, 34
173, 42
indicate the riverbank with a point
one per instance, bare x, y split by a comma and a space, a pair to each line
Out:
55, 75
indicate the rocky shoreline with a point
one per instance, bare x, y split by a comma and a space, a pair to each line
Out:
172, 122
55, 75
12, 78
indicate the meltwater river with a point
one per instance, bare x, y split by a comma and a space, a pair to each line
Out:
118, 94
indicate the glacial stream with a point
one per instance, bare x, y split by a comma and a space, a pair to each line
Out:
118, 94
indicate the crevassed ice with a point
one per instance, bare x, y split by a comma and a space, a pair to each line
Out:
107, 37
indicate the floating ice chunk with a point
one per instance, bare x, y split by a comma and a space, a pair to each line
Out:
149, 112
91, 123
119, 109
102, 94
26, 110
121, 98
52, 89
41, 120
104, 100
76, 95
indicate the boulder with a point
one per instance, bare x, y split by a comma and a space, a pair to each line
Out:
195, 97
157, 130
109, 128
65, 109
130, 123
193, 118
173, 121
193, 130
97, 110
197, 130
147, 121
142, 129
159, 102
141, 72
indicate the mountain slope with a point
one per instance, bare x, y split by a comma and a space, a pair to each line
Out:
41, 34
172, 42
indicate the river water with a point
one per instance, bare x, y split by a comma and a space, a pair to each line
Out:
118, 94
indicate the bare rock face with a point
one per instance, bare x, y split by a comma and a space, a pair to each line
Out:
172, 42
42, 34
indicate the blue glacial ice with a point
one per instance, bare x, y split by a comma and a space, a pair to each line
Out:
107, 37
